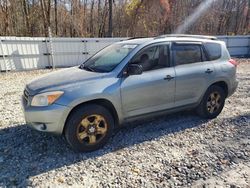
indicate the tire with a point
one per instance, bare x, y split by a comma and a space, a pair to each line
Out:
212, 103
89, 128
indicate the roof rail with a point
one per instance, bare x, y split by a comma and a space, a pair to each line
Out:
191, 36
132, 38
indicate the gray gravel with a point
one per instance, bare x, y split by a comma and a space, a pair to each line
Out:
179, 150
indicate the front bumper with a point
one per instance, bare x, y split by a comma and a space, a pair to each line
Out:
46, 119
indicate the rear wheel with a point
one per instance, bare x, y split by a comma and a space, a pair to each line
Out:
89, 128
212, 102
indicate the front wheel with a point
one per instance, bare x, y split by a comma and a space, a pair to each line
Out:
89, 128
212, 102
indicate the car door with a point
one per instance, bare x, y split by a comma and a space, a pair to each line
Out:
192, 72
154, 89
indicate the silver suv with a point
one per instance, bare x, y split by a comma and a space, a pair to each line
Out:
131, 80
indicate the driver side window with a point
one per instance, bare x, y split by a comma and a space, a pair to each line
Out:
152, 58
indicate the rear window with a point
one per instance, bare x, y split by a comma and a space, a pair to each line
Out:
213, 51
186, 54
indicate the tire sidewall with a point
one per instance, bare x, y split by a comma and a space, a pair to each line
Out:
75, 119
203, 108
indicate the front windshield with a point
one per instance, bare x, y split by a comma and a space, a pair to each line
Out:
108, 58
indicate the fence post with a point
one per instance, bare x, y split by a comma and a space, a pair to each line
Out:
248, 56
4, 59
85, 48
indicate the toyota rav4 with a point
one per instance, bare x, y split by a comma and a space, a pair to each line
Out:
129, 80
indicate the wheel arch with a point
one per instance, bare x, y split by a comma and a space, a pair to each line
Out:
102, 102
223, 85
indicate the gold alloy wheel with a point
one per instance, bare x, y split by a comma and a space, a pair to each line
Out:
213, 102
92, 129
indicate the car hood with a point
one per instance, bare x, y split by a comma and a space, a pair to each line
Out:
61, 78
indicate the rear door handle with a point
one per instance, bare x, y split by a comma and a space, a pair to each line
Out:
209, 71
168, 77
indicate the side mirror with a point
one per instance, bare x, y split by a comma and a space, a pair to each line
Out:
134, 69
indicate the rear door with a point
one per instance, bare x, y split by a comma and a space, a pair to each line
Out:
193, 72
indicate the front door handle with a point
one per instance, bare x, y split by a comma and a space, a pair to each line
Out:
168, 77
209, 71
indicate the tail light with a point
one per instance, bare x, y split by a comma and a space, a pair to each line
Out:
233, 62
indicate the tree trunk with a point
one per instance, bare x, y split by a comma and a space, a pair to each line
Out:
91, 28
56, 20
84, 22
99, 17
5, 10
103, 20
110, 28
46, 15
26, 14
246, 27
237, 18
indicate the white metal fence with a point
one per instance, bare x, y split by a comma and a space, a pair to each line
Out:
25, 53
238, 46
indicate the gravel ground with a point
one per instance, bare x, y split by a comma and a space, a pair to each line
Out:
179, 150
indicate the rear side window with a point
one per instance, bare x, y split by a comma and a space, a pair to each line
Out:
213, 50
187, 53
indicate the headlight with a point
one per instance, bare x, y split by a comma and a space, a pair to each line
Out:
46, 99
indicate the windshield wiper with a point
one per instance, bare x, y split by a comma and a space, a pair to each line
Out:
91, 69
86, 68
